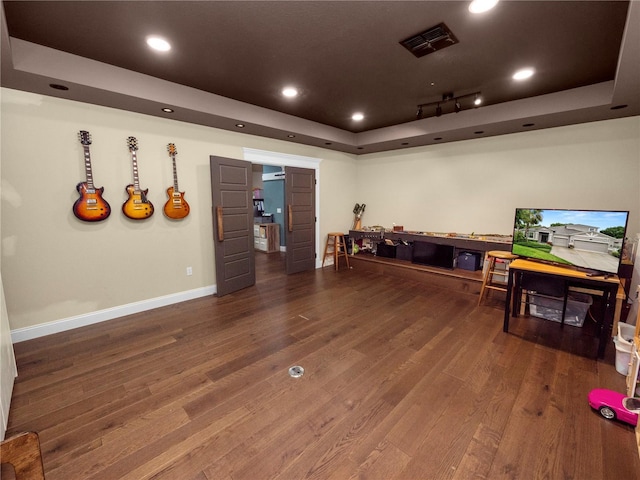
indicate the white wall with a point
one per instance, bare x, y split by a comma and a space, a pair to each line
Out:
475, 185
56, 267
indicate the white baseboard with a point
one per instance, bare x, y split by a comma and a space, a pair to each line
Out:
56, 326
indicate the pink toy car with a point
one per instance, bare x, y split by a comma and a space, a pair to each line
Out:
610, 404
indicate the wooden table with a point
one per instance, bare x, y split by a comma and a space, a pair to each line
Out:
571, 278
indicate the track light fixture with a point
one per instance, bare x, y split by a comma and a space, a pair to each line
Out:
459, 103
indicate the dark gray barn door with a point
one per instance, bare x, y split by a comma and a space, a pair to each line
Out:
300, 218
231, 184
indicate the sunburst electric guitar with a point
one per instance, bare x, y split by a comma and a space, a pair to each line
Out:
137, 206
176, 207
90, 207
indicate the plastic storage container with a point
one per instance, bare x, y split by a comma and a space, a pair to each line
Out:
624, 345
550, 308
626, 332
623, 356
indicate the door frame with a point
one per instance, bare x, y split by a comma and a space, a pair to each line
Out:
265, 157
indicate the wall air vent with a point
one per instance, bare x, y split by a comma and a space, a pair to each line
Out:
429, 41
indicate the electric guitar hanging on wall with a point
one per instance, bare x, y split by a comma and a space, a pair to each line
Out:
137, 206
90, 207
176, 207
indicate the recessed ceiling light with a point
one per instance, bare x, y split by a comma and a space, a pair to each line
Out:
167, 110
290, 92
240, 125
481, 6
437, 138
477, 101
57, 86
618, 107
357, 116
479, 132
523, 74
159, 44
291, 136
528, 124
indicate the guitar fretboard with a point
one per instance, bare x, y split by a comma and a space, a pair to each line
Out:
176, 190
87, 167
134, 161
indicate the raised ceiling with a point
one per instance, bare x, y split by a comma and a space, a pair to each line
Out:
230, 60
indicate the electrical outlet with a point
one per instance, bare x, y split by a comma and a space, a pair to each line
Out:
189, 271
278, 210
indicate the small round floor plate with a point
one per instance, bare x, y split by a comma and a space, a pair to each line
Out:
296, 372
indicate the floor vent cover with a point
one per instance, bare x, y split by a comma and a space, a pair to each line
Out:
296, 372
429, 41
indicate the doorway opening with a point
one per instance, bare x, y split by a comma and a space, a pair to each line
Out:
270, 244
268, 170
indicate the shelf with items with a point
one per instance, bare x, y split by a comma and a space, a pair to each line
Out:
463, 252
266, 237
258, 204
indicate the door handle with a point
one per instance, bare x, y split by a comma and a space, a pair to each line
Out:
290, 219
220, 224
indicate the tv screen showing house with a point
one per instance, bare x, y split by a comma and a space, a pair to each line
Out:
584, 239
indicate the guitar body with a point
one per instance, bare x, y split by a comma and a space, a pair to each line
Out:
137, 207
176, 207
91, 207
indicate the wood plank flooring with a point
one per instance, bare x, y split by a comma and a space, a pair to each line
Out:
402, 381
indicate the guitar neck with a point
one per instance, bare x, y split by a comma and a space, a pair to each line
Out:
175, 174
87, 166
134, 162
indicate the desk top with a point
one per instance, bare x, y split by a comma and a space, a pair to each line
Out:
538, 267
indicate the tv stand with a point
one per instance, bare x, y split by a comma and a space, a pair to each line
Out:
569, 278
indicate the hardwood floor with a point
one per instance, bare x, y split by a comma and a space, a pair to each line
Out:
402, 381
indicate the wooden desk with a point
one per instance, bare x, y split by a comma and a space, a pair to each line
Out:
570, 278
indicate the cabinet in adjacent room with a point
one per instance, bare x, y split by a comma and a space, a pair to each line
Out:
266, 237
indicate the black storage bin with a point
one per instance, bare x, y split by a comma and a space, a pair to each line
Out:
348, 242
384, 250
404, 252
434, 254
469, 261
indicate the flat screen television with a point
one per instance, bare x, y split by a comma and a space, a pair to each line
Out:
433, 254
587, 240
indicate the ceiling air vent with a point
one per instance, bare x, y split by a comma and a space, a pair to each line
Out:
429, 41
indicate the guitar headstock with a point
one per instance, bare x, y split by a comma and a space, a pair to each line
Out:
171, 148
132, 143
84, 137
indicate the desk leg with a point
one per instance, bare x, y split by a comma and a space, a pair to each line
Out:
564, 303
608, 313
516, 292
507, 303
